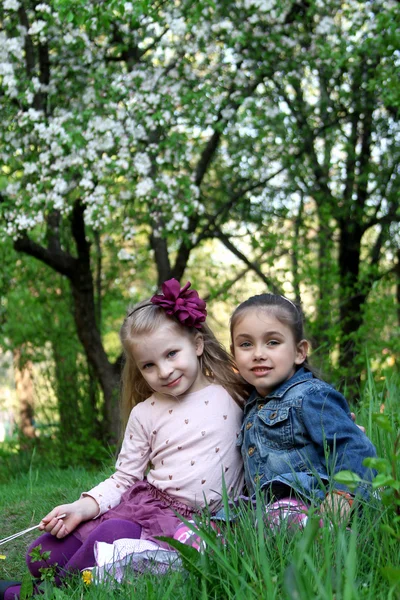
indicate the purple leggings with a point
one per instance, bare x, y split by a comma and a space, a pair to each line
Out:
72, 555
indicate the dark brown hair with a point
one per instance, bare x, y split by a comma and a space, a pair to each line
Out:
286, 311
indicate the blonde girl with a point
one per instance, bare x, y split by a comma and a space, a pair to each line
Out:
181, 405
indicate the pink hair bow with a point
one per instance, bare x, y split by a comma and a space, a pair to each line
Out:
185, 305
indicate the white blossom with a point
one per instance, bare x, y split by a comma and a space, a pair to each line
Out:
15, 46
30, 168
60, 186
43, 8
11, 4
68, 38
178, 26
30, 96
144, 187
142, 163
325, 26
37, 27
87, 182
125, 255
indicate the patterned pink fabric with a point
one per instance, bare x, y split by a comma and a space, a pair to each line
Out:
190, 443
143, 504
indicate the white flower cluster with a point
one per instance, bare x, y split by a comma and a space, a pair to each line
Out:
325, 26
45, 8
144, 187
125, 255
37, 27
11, 4
142, 163
127, 139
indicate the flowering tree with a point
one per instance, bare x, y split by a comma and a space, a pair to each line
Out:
108, 118
176, 120
327, 113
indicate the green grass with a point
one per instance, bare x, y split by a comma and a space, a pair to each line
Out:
253, 562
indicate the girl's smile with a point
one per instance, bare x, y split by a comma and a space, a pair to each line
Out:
174, 382
265, 351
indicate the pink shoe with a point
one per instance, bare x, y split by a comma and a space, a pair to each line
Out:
288, 512
186, 535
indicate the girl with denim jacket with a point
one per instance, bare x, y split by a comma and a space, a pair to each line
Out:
297, 431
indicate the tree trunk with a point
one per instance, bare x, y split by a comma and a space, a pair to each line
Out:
67, 392
398, 286
351, 298
323, 321
25, 394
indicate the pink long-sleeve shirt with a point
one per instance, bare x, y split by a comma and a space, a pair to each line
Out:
190, 443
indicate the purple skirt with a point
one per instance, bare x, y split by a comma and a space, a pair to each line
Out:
144, 504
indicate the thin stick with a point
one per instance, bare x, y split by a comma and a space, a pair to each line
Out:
16, 535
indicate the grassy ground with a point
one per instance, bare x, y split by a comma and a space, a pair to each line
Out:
254, 563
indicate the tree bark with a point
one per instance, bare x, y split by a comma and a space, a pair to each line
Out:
25, 394
351, 297
66, 382
398, 286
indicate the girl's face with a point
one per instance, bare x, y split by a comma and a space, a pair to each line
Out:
168, 359
265, 350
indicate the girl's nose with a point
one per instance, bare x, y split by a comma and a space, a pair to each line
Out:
259, 353
164, 371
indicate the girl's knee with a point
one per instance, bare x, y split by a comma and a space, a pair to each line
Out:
115, 529
41, 545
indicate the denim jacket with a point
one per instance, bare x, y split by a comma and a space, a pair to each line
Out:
299, 436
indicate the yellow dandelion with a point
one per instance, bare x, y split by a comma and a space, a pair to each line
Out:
87, 577
3, 557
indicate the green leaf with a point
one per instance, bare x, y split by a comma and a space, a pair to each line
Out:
383, 479
348, 478
26, 587
392, 574
382, 421
388, 529
380, 464
36, 553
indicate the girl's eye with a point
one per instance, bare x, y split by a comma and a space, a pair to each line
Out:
147, 366
272, 343
245, 345
172, 353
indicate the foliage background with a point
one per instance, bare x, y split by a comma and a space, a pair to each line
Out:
246, 146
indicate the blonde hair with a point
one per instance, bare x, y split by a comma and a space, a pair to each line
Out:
215, 362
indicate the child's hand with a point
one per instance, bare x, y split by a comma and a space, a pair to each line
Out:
353, 416
337, 506
82, 510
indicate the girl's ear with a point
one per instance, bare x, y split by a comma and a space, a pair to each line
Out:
199, 344
301, 352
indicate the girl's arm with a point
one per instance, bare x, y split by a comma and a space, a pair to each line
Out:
130, 467
341, 443
81, 510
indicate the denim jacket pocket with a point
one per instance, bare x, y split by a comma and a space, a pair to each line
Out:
275, 427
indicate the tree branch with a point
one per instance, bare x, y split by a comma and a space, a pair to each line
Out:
59, 261
226, 286
251, 265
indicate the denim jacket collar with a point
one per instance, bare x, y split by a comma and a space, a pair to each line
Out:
301, 375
